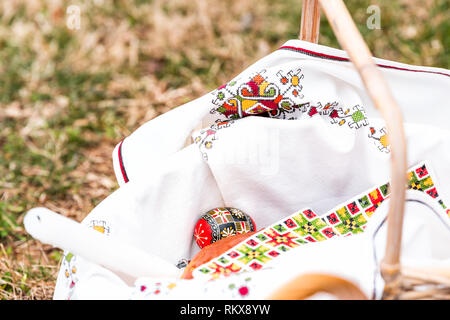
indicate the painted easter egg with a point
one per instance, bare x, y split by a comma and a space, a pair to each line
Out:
220, 223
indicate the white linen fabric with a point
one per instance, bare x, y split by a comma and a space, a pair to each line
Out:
245, 154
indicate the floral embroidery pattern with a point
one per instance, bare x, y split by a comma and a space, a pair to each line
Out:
259, 94
69, 264
154, 289
100, 226
235, 287
380, 138
206, 137
242, 290
278, 95
70, 272
305, 226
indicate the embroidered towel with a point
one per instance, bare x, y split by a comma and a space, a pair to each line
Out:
245, 154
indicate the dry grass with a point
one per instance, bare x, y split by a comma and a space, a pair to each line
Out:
68, 96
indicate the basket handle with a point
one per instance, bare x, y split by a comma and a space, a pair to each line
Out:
353, 43
310, 22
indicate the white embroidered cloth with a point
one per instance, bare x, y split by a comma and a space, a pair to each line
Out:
333, 157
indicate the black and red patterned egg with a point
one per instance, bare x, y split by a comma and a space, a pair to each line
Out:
221, 223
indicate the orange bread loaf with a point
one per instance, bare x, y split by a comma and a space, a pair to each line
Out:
213, 250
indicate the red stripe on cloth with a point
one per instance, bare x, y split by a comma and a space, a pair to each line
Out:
122, 167
322, 55
327, 56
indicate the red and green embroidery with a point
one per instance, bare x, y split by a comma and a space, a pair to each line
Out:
259, 94
305, 226
278, 95
419, 179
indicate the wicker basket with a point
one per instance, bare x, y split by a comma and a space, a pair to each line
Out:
401, 282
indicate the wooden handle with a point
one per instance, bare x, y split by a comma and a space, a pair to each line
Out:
378, 90
309, 26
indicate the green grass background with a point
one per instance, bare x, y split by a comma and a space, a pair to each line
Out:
68, 96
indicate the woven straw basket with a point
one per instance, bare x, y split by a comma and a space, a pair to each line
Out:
401, 282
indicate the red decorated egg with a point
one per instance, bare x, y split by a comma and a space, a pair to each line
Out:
220, 223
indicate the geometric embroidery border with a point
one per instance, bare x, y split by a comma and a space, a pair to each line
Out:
305, 226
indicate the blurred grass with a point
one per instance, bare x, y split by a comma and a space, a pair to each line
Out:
68, 96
